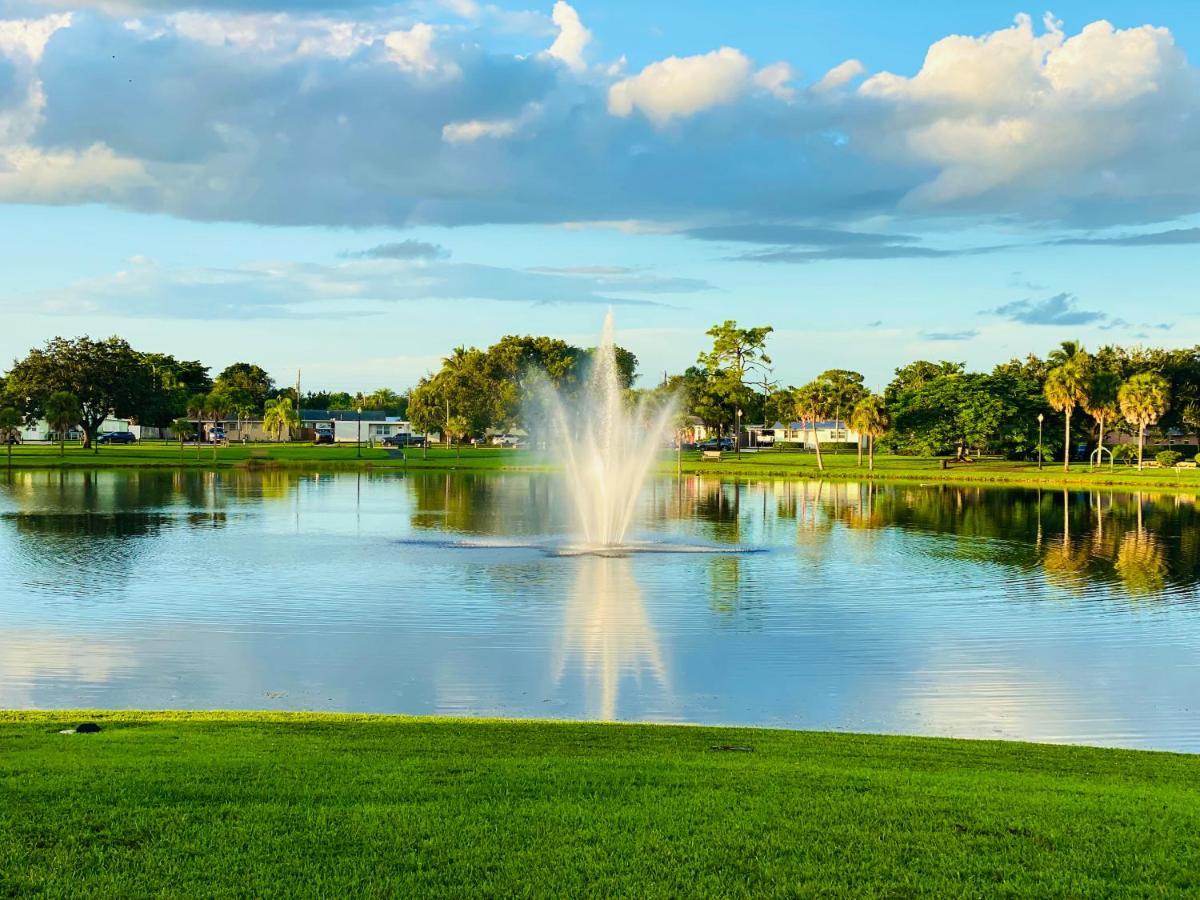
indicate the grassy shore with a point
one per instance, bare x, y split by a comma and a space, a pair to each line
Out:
766, 464
267, 804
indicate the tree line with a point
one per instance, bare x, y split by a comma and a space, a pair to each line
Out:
1022, 408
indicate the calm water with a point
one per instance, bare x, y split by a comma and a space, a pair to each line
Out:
1045, 615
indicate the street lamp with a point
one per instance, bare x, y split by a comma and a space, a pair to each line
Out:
358, 448
1041, 419
737, 435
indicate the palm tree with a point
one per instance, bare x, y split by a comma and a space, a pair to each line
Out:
182, 428
812, 403
1064, 353
1143, 399
1067, 387
197, 405
870, 417
279, 418
1101, 405
10, 422
62, 412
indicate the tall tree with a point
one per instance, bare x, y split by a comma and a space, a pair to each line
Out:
247, 377
812, 405
1101, 405
107, 377
62, 412
738, 366
1143, 400
870, 417
1066, 388
845, 389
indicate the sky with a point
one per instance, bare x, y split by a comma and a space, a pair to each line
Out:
351, 189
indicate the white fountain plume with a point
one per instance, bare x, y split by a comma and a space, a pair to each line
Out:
605, 448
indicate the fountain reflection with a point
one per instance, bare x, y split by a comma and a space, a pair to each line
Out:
607, 637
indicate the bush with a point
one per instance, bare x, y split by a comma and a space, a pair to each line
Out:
1124, 452
1167, 458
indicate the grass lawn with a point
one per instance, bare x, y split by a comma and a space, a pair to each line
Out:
766, 464
265, 803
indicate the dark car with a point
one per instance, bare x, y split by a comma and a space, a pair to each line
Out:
403, 440
716, 444
117, 437
323, 436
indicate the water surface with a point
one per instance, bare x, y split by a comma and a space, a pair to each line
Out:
972, 612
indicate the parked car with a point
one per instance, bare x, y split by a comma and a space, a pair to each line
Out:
403, 440
217, 436
117, 437
716, 444
323, 436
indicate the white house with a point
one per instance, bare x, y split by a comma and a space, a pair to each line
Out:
801, 434
369, 430
41, 431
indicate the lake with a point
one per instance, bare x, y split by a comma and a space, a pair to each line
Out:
1048, 615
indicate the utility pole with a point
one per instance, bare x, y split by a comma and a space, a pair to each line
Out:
299, 419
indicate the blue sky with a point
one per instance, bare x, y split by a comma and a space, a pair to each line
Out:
353, 189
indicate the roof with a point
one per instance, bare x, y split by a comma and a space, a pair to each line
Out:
828, 425
346, 415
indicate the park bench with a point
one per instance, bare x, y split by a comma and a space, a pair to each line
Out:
1185, 465
710, 454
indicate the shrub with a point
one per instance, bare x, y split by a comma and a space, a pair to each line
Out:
1124, 452
1167, 458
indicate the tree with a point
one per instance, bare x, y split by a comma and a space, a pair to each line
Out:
870, 417
10, 425
107, 377
949, 412
63, 413
738, 365
197, 407
173, 382
1143, 400
812, 405
183, 429
1101, 405
280, 417
844, 388
249, 378
1066, 388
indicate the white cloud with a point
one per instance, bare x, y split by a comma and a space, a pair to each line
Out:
413, 51
28, 37
678, 87
1038, 112
839, 76
572, 38
775, 78
473, 130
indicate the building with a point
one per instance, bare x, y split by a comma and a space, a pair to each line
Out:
349, 426
801, 434
40, 430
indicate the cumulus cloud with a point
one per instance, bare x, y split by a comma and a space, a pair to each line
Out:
572, 38
1060, 309
678, 87
323, 114
1018, 119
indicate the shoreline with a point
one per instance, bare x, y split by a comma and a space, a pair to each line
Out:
299, 803
752, 467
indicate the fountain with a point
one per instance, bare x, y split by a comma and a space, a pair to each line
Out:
605, 450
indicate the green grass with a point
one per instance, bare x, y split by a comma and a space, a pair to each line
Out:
221, 804
766, 464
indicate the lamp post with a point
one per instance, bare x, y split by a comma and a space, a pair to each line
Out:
737, 435
1041, 419
358, 443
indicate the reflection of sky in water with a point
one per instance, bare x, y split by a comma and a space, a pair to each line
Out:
973, 612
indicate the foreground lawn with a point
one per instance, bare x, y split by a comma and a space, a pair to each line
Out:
270, 804
764, 464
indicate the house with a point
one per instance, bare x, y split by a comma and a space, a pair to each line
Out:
801, 434
40, 430
351, 426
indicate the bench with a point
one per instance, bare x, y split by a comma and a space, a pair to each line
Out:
710, 454
1185, 465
